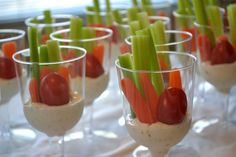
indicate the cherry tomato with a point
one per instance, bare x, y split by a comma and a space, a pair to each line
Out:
7, 68
172, 106
54, 90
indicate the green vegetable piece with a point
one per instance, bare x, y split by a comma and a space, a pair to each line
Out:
34, 55
134, 26
216, 21
213, 2
146, 2
231, 10
108, 6
35, 20
189, 7
132, 14
134, 3
181, 8
109, 19
88, 33
96, 5
76, 24
43, 54
159, 38
117, 16
97, 18
53, 51
143, 20
48, 20
90, 8
90, 19
157, 79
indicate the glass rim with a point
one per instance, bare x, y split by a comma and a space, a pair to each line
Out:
55, 16
106, 36
193, 58
190, 36
183, 16
210, 27
166, 20
20, 33
49, 63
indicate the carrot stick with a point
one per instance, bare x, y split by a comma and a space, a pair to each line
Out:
34, 90
175, 79
64, 72
9, 48
98, 52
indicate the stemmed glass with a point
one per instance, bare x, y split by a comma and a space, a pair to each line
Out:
97, 77
217, 65
53, 101
159, 136
59, 21
12, 122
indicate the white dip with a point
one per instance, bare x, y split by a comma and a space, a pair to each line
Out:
8, 88
158, 137
222, 76
54, 120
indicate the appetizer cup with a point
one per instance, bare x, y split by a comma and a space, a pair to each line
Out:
159, 121
11, 40
58, 22
52, 93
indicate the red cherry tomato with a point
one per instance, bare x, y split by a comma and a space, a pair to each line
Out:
7, 68
172, 106
54, 90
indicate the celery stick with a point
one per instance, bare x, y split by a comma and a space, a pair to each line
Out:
157, 79
134, 3
189, 8
149, 10
231, 10
213, 2
90, 19
34, 20
132, 14
96, 5
97, 18
53, 51
90, 8
48, 20
134, 26
109, 19
88, 33
117, 16
181, 8
216, 21
146, 2
43, 54
33, 46
143, 20
76, 24
125, 61
108, 6
159, 38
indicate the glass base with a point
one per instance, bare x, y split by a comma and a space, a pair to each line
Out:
176, 151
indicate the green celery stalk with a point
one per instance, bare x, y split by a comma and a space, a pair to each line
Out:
132, 14
216, 21
134, 26
189, 8
201, 18
143, 20
88, 33
213, 2
108, 6
76, 24
149, 10
118, 19
90, 8
53, 51
97, 18
90, 19
48, 20
231, 10
35, 20
159, 38
43, 54
117, 16
134, 3
157, 79
146, 2
33, 46
181, 9
109, 18
96, 5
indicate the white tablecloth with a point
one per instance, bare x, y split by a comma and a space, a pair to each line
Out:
107, 116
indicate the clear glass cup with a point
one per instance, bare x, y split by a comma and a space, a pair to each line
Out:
60, 21
158, 135
53, 100
15, 133
98, 63
219, 72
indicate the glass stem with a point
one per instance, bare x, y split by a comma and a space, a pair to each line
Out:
225, 106
88, 128
5, 126
62, 146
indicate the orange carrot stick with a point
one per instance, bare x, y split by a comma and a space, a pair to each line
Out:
175, 79
34, 90
150, 95
9, 48
64, 72
98, 52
